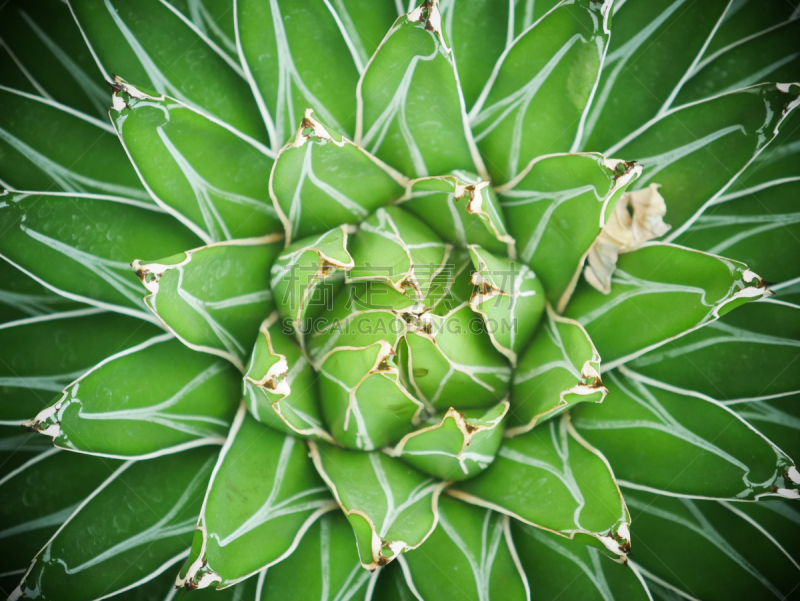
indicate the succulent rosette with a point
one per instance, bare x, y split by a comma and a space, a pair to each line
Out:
334, 299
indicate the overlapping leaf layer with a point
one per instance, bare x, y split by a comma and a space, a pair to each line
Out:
337, 299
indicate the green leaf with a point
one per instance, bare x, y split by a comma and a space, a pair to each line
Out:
654, 49
324, 565
210, 177
391, 507
480, 220
680, 148
22, 297
721, 360
660, 292
451, 361
715, 550
770, 55
551, 69
277, 497
456, 445
44, 54
215, 19
279, 386
186, 399
213, 298
290, 70
510, 299
39, 356
81, 246
557, 566
322, 180
50, 146
749, 17
151, 44
560, 368
133, 527
553, 479
470, 555
303, 279
679, 444
399, 249
556, 207
365, 403
52, 485
411, 113
777, 418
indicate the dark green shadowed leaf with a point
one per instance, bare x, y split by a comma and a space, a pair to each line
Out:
556, 207
559, 568
290, 70
462, 209
214, 297
715, 550
683, 149
81, 246
324, 566
263, 496
679, 444
279, 384
156, 398
303, 279
48, 146
322, 180
22, 297
510, 298
51, 484
210, 177
456, 445
470, 556
560, 368
152, 44
749, 17
134, 526
39, 356
44, 54
776, 418
410, 111
553, 479
771, 55
391, 507
653, 49
215, 19
658, 293
551, 69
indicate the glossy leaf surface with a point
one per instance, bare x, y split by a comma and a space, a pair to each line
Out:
663, 441
410, 111
560, 368
186, 400
277, 499
135, 525
222, 319
556, 208
211, 178
48, 146
81, 246
551, 478
454, 446
722, 553
550, 69
659, 292
322, 180
391, 507
147, 43
470, 555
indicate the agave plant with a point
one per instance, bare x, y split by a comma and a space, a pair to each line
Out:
360, 300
